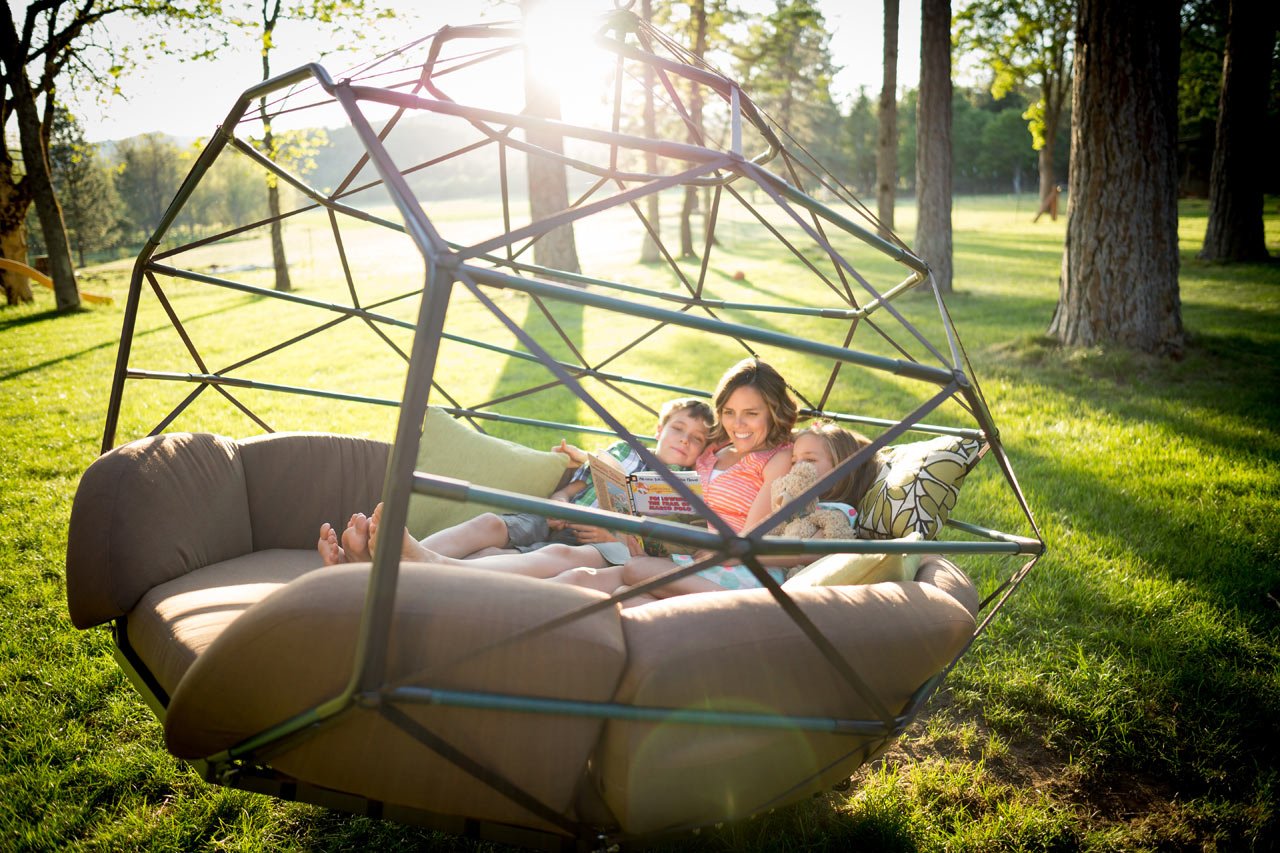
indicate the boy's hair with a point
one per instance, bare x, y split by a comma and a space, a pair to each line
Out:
772, 387
843, 443
692, 405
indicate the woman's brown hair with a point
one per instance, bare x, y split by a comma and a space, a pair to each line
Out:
772, 387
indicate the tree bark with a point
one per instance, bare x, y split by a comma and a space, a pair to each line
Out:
548, 183
887, 141
698, 9
649, 247
1235, 229
933, 142
1119, 280
31, 135
13, 238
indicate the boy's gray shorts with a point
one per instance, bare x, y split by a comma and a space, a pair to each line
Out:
528, 531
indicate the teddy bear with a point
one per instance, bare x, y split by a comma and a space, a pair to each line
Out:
813, 522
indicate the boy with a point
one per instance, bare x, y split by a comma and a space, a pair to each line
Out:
545, 546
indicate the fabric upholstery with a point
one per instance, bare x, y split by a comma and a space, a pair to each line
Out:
450, 448
297, 481
176, 621
917, 487
295, 649
739, 651
946, 576
147, 512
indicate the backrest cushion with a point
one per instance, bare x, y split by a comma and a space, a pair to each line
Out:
450, 448
149, 511
297, 481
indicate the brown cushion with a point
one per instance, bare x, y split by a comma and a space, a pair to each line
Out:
174, 622
295, 649
739, 651
946, 576
297, 481
150, 511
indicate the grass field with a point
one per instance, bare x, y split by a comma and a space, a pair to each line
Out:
1125, 699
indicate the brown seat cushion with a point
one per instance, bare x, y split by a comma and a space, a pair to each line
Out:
739, 651
176, 621
295, 650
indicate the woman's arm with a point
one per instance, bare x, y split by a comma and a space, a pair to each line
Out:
762, 506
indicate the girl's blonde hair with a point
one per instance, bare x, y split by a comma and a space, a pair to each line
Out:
772, 387
843, 443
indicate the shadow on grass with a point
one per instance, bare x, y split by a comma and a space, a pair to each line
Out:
71, 356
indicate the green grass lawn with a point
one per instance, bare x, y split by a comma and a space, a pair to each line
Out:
1125, 699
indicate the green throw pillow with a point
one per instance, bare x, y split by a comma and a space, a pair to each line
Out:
917, 487
850, 569
450, 448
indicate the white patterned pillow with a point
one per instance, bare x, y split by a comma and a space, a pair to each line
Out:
917, 487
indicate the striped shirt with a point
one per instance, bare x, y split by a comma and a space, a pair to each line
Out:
731, 491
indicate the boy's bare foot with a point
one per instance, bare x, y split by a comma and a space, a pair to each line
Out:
331, 553
355, 539
410, 548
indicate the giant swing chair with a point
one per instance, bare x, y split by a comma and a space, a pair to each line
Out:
504, 707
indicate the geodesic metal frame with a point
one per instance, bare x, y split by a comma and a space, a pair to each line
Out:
483, 268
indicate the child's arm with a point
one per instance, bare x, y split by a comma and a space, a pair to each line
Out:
576, 455
565, 495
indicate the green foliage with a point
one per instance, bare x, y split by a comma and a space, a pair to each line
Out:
1125, 698
1023, 43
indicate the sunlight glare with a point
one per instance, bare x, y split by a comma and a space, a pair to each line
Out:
560, 37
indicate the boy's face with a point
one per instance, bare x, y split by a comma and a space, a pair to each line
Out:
681, 439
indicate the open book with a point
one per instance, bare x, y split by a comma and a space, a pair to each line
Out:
642, 493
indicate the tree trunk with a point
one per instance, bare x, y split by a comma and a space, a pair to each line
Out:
887, 142
698, 10
1119, 280
548, 183
31, 136
13, 240
649, 247
278, 259
1048, 180
1235, 230
933, 142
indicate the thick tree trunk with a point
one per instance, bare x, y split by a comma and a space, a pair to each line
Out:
649, 247
1119, 279
887, 141
65, 291
13, 240
697, 9
1235, 230
933, 142
548, 183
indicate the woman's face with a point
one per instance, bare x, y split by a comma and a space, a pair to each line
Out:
811, 448
746, 419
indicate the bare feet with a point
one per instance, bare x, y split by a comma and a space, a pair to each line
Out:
330, 551
355, 539
410, 548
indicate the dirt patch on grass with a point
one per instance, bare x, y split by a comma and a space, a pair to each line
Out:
1136, 807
